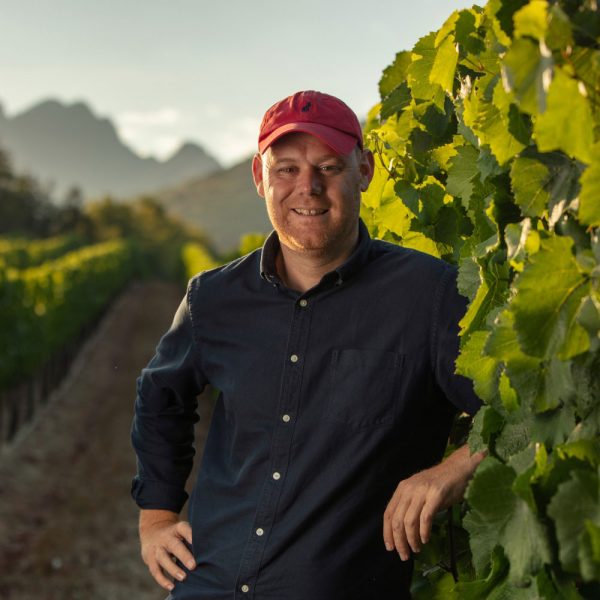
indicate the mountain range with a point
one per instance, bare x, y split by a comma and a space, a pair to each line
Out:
66, 145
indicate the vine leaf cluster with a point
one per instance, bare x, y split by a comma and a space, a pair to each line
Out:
487, 146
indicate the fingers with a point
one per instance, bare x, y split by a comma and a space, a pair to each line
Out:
184, 529
408, 518
162, 547
156, 571
179, 550
166, 562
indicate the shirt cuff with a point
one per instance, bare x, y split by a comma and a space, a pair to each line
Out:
157, 495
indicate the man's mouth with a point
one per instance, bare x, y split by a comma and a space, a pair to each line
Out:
310, 212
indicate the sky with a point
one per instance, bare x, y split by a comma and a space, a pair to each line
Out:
168, 71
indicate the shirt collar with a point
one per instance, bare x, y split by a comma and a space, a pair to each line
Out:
355, 261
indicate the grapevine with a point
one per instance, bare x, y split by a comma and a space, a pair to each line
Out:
487, 145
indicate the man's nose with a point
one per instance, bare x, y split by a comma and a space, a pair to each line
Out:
311, 183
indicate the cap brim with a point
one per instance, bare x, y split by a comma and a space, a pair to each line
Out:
340, 142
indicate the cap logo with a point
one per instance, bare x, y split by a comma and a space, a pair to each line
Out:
306, 107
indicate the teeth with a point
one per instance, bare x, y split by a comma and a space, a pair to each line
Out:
310, 211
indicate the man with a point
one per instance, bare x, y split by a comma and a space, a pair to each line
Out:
334, 357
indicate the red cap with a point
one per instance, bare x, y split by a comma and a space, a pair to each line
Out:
321, 115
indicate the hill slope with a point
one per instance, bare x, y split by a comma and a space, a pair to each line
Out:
225, 205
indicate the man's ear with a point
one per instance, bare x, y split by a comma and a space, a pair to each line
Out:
257, 174
367, 168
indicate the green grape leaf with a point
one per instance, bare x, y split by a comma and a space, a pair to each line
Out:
575, 502
394, 75
444, 65
435, 121
381, 188
502, 342
482, 588
393, 216
396, 101
589, 551
532, 20
513, 439
469, 277
424, 201
550, 290
490, 295
565, 124
483, 370
508, 395
395, 132
552, 427
529, 178
487, 164
504, 11
491, 126
589, 198
498, 516
443, 154
486, 424
559, 35
417, 241
525, 72
466, 32
463, 169
418, 72
588, 315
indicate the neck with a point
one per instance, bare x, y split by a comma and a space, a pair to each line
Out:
301, 272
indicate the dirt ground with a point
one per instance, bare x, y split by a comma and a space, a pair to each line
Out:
68, 527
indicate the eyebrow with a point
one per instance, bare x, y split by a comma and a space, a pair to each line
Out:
289, 159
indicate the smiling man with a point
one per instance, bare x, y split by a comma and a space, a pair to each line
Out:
334, 357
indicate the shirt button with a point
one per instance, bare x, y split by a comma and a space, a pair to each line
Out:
276, 475
294, 358
286, 418
303, 303
260, 531
245, 588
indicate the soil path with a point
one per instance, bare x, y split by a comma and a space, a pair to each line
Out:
68, 528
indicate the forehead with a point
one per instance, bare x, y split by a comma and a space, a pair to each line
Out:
298, 143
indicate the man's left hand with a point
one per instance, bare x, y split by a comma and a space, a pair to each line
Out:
408, 518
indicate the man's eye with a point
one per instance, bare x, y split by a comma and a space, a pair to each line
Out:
285, 170
329, 168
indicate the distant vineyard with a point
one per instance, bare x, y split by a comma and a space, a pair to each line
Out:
22, 253
196, 259
45, 306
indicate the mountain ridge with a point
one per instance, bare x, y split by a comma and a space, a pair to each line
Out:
54, 140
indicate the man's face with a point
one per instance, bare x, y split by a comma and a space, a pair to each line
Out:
312, 193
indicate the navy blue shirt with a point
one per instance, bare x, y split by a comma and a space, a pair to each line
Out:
328, 399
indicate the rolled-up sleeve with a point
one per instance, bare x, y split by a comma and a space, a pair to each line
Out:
162, 432
449, 309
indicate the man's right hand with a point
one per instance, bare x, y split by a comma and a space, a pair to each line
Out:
162, 537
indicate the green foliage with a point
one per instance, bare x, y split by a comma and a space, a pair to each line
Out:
157, 237
250, 242
487, 146
42, 308
21, 253
196, 258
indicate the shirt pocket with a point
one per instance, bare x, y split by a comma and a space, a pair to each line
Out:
363, 387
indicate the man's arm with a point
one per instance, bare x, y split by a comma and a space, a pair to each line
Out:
409, 515
163, 435
408, 518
